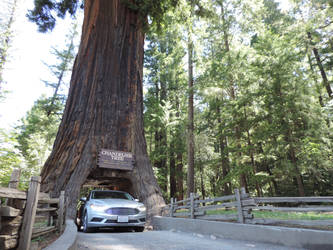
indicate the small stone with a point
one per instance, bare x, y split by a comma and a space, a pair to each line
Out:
172, 230
213, 237
200, 235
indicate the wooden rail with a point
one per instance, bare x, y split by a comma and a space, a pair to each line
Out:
193, 207
242, 206
22, 210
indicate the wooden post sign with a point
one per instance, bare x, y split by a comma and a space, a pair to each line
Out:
115, 159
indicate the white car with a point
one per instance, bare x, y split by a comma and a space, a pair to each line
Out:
111, 209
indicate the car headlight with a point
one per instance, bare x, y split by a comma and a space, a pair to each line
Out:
97, 207
142, 208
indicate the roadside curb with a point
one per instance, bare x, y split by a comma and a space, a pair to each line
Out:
67, 240
291, 237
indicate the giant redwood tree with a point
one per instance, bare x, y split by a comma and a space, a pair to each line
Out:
105, 102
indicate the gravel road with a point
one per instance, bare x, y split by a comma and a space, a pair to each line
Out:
164, 240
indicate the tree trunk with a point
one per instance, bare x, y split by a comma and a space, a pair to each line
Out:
172, 170
104, 106
321, 68
224, 155
251, 153
179, 157
190, 129
242, 177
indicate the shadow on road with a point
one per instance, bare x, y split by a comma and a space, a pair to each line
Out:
113, 230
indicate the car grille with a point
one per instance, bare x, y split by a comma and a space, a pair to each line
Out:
122, 211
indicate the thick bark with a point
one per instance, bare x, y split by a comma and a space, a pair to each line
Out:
104, 106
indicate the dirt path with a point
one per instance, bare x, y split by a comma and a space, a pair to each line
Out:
164, 240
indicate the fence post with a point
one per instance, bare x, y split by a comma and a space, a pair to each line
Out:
61, 211
171, 207
243, 191
239, 206
29, 213
192, 205
13, 183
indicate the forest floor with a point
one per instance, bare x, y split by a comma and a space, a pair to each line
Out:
285, 216
281, 215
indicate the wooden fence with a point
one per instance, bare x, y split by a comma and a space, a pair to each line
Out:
240, 208
28, 215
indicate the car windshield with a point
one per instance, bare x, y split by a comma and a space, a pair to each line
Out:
111, 195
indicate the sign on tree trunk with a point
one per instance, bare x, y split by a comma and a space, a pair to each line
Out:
115, 159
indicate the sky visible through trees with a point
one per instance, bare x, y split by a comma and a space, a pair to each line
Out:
262, 101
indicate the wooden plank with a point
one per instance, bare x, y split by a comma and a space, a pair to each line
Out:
214, 207
41, 218
42, 231
9, 220
219, 217
296, 209
239, 207
6, 211
12, 193
115, 159
186, 214
328, 199
29, 213
49, 201
10, 229
182, 207
196, 196
8, 242
217, 199
43, 210
61, 212
248, 202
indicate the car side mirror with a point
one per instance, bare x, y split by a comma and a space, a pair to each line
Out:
83, 199
137, 200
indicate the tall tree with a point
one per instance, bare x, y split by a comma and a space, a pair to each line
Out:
6, 35
104, 106
190, 126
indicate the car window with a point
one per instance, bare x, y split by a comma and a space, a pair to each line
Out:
111, 195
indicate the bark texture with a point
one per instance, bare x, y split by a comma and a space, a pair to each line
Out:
104, 106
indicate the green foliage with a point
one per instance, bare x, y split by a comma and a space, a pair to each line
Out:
36, 134
10, 157
45, 12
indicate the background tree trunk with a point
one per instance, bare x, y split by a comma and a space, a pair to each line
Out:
190, 128
104, 106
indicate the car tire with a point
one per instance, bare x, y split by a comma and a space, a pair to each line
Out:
85, 227
139, 229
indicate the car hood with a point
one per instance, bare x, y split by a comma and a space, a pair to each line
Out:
117, 202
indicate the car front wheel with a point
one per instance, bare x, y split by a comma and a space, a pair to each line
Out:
86, 228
